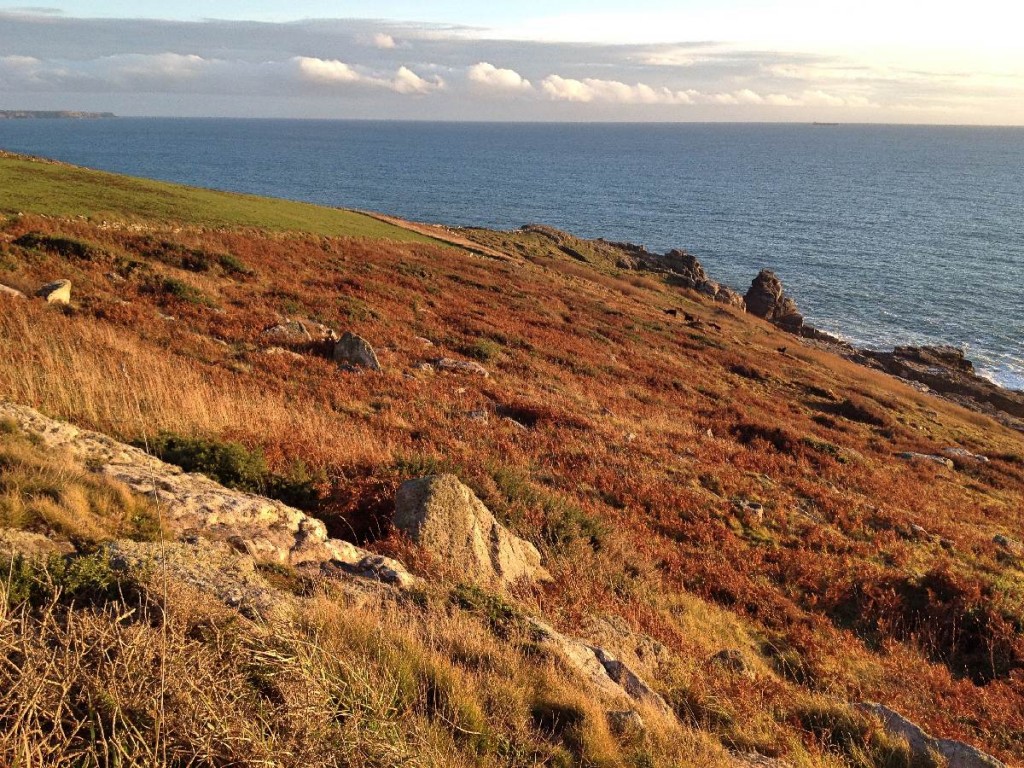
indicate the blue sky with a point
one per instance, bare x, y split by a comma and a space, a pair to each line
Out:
752, 60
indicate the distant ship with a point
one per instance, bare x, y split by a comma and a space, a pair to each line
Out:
829, 125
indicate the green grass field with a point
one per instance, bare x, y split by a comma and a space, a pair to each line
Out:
34, 186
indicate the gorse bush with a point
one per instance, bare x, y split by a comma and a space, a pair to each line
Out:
234, 465
67, 247
174, 288
73, 580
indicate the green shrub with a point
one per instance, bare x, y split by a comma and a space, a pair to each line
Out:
80, 580
483, 350
62, 246
500, 615
177, 289
234, 265
238, 467
564, 523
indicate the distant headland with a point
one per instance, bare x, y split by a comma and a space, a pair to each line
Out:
31, 114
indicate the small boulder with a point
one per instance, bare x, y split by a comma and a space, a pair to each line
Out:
460, 366
729, 297
298, 332
447, 519
626, 722
12, 293
57, 292
914, 456
355, 350
955, 754
751, 512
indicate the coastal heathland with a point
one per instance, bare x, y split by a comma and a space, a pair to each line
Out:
748, 535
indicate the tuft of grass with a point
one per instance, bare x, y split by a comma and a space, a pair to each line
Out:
46, 491
857, 738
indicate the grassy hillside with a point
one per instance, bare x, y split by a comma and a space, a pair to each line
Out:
698, 482
56, 189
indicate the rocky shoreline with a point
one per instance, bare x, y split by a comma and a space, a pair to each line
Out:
942, 370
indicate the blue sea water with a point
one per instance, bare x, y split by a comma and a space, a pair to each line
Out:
884, 234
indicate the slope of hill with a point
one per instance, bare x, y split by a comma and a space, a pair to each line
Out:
763, 532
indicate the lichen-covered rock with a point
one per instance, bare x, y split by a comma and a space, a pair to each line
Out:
265, 529
598, 667
447, 519
957, 754
914, 456
57, 292
459, 366
11, 293
355, 350
26, 543
298, 332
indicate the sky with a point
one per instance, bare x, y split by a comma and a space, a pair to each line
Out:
883, 61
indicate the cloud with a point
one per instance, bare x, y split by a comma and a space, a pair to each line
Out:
591, 90
175, 73
408, 82
492, 78
374, 68
329, 71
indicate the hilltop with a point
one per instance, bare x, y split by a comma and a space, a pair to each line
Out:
691, 536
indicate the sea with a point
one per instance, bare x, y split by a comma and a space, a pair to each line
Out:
884, 235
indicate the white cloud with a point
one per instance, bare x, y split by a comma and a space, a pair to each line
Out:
172, 72
492, 78
334, 72
408, 82
590, 90
384, 41
326, 71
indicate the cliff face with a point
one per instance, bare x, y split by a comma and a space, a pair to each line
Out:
670, 532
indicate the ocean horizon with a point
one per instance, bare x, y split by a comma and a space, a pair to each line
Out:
884, 234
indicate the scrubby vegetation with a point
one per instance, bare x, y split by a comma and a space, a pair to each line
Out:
686, 480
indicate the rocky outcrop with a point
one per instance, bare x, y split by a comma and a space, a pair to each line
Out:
957, 754
57, 292
598, 667
265, 529
683, 269
927, 457
947, 371
447, 520
11, 293
767, 299
356, 351
296, 332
